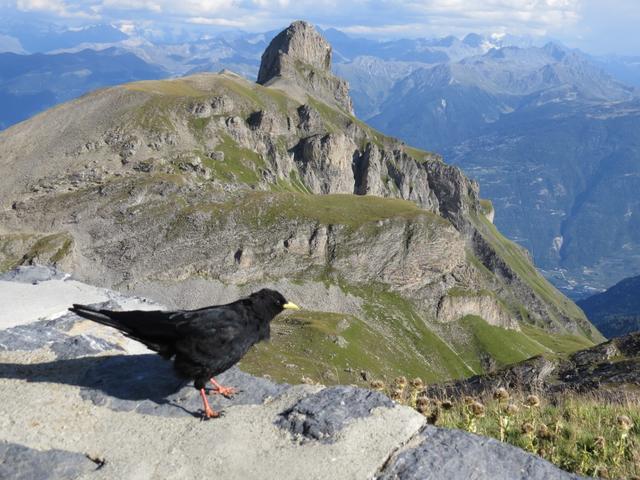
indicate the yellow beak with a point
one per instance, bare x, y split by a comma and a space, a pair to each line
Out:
291, 306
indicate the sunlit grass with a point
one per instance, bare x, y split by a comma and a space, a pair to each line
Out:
582, 434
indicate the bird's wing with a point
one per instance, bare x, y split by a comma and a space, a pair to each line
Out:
222, 322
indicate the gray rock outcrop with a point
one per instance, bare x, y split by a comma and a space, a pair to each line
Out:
301, 56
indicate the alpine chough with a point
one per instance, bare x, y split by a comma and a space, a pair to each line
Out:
203, 343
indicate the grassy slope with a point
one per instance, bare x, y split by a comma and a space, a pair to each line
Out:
391, 340
513, 255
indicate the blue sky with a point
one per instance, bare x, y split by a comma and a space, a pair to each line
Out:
596, 26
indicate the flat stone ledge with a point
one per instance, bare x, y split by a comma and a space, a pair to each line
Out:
18, 462
321, 415
440, 453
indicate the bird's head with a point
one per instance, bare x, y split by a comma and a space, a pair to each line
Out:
271, 302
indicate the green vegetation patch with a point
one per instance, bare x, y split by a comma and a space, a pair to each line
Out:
176, 88
267, 208
321, 346
503, 345
486, 206
334, 348
557, 342
24, 248
582, 434
240, 164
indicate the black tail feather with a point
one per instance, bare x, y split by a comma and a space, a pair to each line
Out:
123, 321
96, 315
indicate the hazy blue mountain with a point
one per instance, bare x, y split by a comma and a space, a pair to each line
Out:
616, 311
553, 141
623, 68
36, 37
564, 180
445, 104
32, 83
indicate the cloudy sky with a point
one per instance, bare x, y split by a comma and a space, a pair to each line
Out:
597, 26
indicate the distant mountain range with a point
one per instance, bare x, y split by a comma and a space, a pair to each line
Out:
549, 132
31, 83
550, 137
615, 312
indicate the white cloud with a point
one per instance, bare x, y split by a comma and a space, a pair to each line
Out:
220, 22
58, 8
595, 20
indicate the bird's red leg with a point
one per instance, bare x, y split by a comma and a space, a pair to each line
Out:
208, 411
226, 391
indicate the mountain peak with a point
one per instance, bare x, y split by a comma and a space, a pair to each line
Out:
300, 55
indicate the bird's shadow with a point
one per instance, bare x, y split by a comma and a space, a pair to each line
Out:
145, 383
127, 377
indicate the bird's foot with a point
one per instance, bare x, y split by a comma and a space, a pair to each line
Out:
227, 392
210, 413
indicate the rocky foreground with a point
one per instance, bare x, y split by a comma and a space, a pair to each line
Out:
78, 400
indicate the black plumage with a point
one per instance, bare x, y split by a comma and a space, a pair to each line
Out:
204, 342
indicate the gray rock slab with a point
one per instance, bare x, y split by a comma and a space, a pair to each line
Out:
18, 462
30, 294
54, 334
456, 455
321, 415
148, 384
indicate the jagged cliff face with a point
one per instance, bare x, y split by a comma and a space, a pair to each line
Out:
215, 180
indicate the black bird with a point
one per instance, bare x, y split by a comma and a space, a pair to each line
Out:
203, 342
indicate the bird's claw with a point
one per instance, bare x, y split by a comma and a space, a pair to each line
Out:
209, 413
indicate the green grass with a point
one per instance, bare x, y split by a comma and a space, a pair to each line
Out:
474, 339
419, 155
176, 88
241, 165
344, 209
266, 208
557, 342
389, 340
580, 434
20, 248
13, 246
307, 344
293, 184
199, 125
503, 345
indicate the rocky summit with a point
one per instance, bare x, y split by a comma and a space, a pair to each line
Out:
301, 56
81, 401
197, 190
